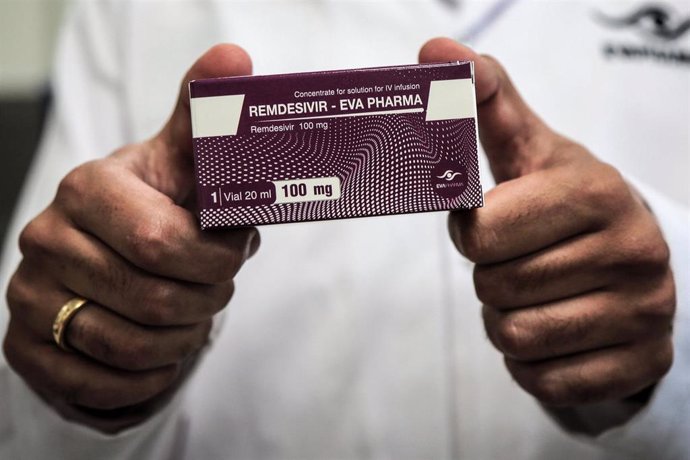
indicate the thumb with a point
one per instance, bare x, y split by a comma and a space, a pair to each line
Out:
512, 135
222, 60
169, 165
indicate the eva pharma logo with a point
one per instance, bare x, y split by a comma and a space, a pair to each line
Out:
652, 20
449, 175
660, 25
449, 179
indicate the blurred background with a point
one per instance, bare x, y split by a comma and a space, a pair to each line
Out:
28, 33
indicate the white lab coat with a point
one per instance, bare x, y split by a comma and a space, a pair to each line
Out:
363, 338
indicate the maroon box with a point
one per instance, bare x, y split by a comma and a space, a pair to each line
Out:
338, 144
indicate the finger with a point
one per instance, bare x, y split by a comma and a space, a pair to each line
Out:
108, 337
512, 135
34, 300
601, 375
151, 231
57, 374
545, 276
112, 340
224, 60
577, 265
580, 324
35, 297
535, 212
85, 268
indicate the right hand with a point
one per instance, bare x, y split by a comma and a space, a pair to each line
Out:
118, 233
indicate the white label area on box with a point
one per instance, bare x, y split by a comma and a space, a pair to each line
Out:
303, 190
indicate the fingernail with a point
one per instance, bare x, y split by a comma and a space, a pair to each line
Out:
253, 243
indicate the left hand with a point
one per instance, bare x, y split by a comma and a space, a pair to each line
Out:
119, 234
571, 266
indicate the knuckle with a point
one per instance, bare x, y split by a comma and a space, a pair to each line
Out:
229, 267
73, 391
608, 189
652, 253
468, 235
512, 338
491, 317
228, 292
471, 235
471, 244
148, 244
547, 392
72, 186
667, 308
235, 260
222, 293
10, 350
580, 390
530, 278
508, 285
32, 239
659, 306
663, 359
187, 348
640, 250
194, 341
102, 396
159, 380
659, 254
608, 196
159, 302
139, 354
16, 296
93, 338
643, 253
144, 386
484, 285
545, 388
122, 390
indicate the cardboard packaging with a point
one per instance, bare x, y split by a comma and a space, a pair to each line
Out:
338, 144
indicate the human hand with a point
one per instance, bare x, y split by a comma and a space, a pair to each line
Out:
571, 266
118, 234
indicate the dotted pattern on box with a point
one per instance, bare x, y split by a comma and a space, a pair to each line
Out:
384, 164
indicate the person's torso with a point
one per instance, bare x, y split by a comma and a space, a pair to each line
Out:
363, 338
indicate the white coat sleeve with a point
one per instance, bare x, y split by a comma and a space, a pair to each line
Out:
659, 429
86, 122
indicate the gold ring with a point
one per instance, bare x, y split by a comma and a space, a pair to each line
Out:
64, 316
